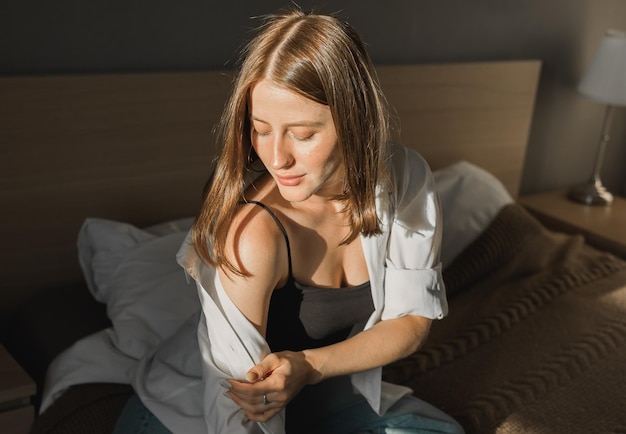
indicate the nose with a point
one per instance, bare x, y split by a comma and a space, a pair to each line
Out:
281, 153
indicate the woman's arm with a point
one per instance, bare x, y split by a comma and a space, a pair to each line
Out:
280, 376
257, 247
386, 342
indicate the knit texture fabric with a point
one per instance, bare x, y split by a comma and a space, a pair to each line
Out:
535, 341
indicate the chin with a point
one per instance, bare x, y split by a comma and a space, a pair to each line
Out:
295, 197
294, 194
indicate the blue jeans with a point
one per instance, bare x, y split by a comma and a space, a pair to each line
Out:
137, 419
408, 416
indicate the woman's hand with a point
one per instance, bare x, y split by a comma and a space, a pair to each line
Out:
271, 384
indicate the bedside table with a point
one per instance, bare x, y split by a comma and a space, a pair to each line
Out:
603, 227
16, 389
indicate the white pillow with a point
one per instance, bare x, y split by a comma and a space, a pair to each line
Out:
470, 198
134, 271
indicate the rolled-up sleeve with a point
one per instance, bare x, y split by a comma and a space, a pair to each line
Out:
413, 281
414, 292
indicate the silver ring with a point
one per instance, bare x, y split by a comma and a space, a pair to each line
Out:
265, 401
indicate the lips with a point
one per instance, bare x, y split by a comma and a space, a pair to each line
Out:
288, 180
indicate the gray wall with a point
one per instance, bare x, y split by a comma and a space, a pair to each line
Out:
102, 36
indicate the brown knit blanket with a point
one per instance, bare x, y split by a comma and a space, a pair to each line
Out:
535, 341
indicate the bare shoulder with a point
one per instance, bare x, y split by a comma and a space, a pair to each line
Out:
256, 246
255, 241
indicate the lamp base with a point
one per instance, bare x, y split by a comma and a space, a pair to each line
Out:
591, 194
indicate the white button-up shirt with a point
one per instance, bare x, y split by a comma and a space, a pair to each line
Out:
180, 381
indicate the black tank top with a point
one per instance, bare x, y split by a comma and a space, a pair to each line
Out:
305, 317
302, 316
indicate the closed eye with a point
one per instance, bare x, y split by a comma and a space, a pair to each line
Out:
302, 137
260, 133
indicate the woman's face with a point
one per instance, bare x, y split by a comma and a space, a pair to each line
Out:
296, 140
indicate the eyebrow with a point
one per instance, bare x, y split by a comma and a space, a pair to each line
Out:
315, 124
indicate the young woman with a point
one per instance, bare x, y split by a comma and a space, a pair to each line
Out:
316, 252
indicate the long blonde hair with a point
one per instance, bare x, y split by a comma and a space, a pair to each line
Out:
321, 58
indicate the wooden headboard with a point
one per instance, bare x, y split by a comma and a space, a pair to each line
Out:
137, 147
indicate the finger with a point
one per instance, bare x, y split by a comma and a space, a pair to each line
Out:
251, 392
259, 408
258, 394
254, 374
257, 373
263, 416
246, 394
261, 412
263, 369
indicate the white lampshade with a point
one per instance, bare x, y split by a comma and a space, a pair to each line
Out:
605, 78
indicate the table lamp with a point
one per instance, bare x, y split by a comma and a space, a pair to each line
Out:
604, 81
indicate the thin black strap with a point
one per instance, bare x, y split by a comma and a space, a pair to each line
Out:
280, 226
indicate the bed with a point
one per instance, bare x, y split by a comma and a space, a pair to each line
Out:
103, 173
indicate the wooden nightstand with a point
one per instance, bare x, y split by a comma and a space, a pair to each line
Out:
603, 227
16, 389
